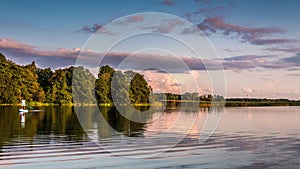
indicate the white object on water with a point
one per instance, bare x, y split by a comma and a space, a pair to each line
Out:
22, 118
23, 103
36, 110
22, 110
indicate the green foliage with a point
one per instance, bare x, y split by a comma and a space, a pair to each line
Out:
19, 82
62, 93
37, 85
83, 86
44, 85
115, 87
140, 90
103, 85
120, 88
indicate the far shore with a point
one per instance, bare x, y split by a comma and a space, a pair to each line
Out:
176, 103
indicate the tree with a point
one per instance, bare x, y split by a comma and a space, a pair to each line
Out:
62, 90
44, 79
130, 87
103, 84
44, 85
18, 82
140, 90
120, 88
82, 84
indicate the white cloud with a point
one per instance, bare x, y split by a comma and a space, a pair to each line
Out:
247, 90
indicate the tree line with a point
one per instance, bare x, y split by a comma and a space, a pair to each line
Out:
111, 86
188, 97
55, 86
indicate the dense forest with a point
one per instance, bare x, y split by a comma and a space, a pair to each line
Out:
37, 85
55, 86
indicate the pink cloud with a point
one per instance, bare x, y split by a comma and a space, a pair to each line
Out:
168, 2
252, 35
165, 26
247, 90
9, 43
135, 18
258, 41
130, 20
162, 82
282, 49
19, 49
217, 23
179, 64
173, 82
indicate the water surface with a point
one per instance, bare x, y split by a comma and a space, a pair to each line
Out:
247, 137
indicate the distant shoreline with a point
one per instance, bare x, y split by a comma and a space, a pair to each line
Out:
229, 103
238, 103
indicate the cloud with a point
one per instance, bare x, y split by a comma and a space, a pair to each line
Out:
231, 50
205, 11
246, 57
248, 62
294, 74
247, 90
164, 26
196, 74
294, 60
99, 28
95, 28
135, 18
19, 50
91, 29
168, 26
203, 1
217, 23
261, 61
168, 2
281, 49
153, 61
60, 57
209, 11
188, 31
63, 57
130, 20
162, 82
174, 82
256, 36
257, 41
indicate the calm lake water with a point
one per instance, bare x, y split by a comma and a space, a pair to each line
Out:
66, 137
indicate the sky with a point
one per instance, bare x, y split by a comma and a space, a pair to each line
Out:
233, 48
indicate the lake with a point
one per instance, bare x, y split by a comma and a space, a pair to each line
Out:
171, 137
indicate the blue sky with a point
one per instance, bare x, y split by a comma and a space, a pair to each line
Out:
258, 41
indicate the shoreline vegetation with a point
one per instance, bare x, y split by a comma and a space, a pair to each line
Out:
232, 102
77, 86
